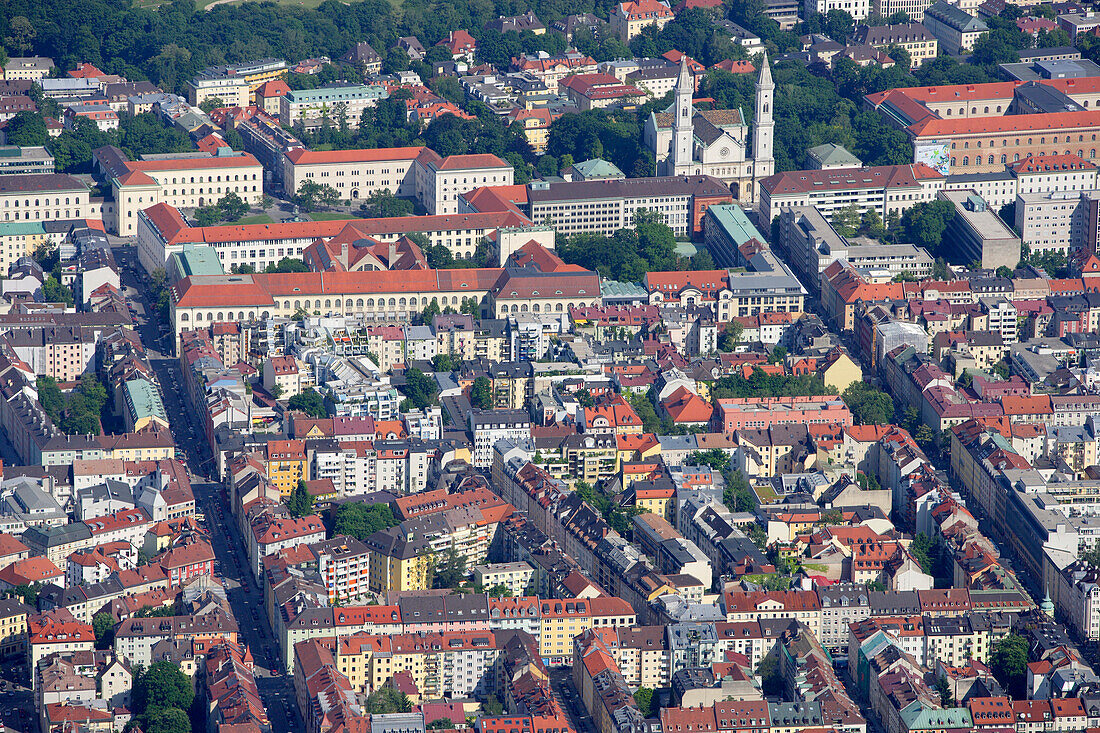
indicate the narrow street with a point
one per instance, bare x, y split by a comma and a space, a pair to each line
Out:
231, 562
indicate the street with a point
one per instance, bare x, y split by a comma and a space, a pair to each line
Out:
231, 562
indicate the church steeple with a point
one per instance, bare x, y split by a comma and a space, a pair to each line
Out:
763, 125
683, 129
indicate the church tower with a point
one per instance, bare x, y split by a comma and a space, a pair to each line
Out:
683, 129
763, 125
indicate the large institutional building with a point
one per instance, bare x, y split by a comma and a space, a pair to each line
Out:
690, 142
980, 128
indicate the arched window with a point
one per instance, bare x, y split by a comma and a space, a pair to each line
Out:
991, 160
966, 160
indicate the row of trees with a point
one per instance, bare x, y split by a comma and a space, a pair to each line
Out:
229, 208
630, 253
137, 135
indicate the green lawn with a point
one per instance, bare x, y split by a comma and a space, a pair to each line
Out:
257, 219
329, 216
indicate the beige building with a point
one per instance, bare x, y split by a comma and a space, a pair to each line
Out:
13, 628
234, 84
45, 197
629, 18
913, 37
27, 68
181, 182
355, 174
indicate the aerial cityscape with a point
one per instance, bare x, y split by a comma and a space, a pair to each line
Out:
561, 366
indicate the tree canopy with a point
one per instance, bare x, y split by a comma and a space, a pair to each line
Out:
300, 502
361, 520
162, 685
308, 401
869, 405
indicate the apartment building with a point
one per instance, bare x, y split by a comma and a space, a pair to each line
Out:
27, 68
233, 84
190, 180
310, 107
628, 19
886, 190
344, 565
1057, 221
489, 426
812, 244
955, 29
858, 9
913, 37
740, 413
162, 232
45, 197
603, 207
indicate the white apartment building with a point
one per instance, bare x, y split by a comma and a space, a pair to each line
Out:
1055, 221
858, 9
489, 426
515, 576
310, 106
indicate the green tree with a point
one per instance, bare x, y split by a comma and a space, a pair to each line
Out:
54, 292
383, 204
166, 720
211, 104
446, 362
1009, 663
498, 591
925, 223
103, 626
308, 401
360, 520
162, 685
481, 394
644, 409
287, 264
207, 216
943, 686
312, 195
449, 571
730, 336
300, 503
738, 496
869, 405
27, 129
29, 593
419, 389
50, 397
646, 702
21, 34
232, 207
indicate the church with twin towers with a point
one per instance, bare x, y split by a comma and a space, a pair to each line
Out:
688, 141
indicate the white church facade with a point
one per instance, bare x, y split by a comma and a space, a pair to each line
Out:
686, 141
